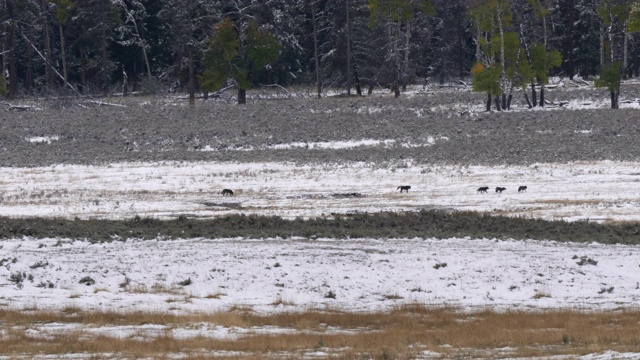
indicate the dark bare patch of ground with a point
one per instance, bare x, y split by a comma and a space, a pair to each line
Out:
158, 129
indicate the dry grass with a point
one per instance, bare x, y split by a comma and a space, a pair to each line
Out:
397, 334
216, 295
571, 202
156, 288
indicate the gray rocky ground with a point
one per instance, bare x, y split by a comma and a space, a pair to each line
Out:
152, 129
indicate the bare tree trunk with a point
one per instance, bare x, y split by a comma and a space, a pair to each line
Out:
405, 71
83, 68
625, 53
103, 57
544, 24
11, 57
315, 53
601, 45
534, 95
28, 82
47, 45
192, 79
569, 36
357, 79
503, 75
526, 98
498, 107
488, 102
63, 55
242, 96
145, 56
615, 96
125, 85
478, 52
348, 51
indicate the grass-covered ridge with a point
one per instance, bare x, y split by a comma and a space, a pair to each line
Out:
424, 224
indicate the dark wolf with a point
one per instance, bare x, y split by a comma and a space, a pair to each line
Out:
483, 189
522, 188
500, 189
405, 188
226, 192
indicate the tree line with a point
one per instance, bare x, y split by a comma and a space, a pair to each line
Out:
99, 47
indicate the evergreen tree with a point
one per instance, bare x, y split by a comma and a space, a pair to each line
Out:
190, 23
586, 52
237, 54
448, 36
396, 18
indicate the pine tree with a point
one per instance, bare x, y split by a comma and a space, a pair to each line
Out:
395, 18
586, 52
237, 54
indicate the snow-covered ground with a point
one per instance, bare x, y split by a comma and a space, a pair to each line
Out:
595, 191
298, 274
364, 274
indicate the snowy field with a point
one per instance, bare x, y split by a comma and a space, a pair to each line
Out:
364, 274
595, 191
298, 274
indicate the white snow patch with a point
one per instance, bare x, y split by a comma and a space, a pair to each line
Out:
388, 143
42, 139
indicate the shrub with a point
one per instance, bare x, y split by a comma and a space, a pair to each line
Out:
39, 264
17, 277
87, 280
584, 260
606, 290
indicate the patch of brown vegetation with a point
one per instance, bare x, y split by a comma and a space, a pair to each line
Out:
399, 334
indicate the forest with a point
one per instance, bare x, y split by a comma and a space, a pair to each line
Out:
103, 47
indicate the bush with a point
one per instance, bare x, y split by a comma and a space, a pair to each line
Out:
330, 295
39, 264
584, 260
87, 280
17, 277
